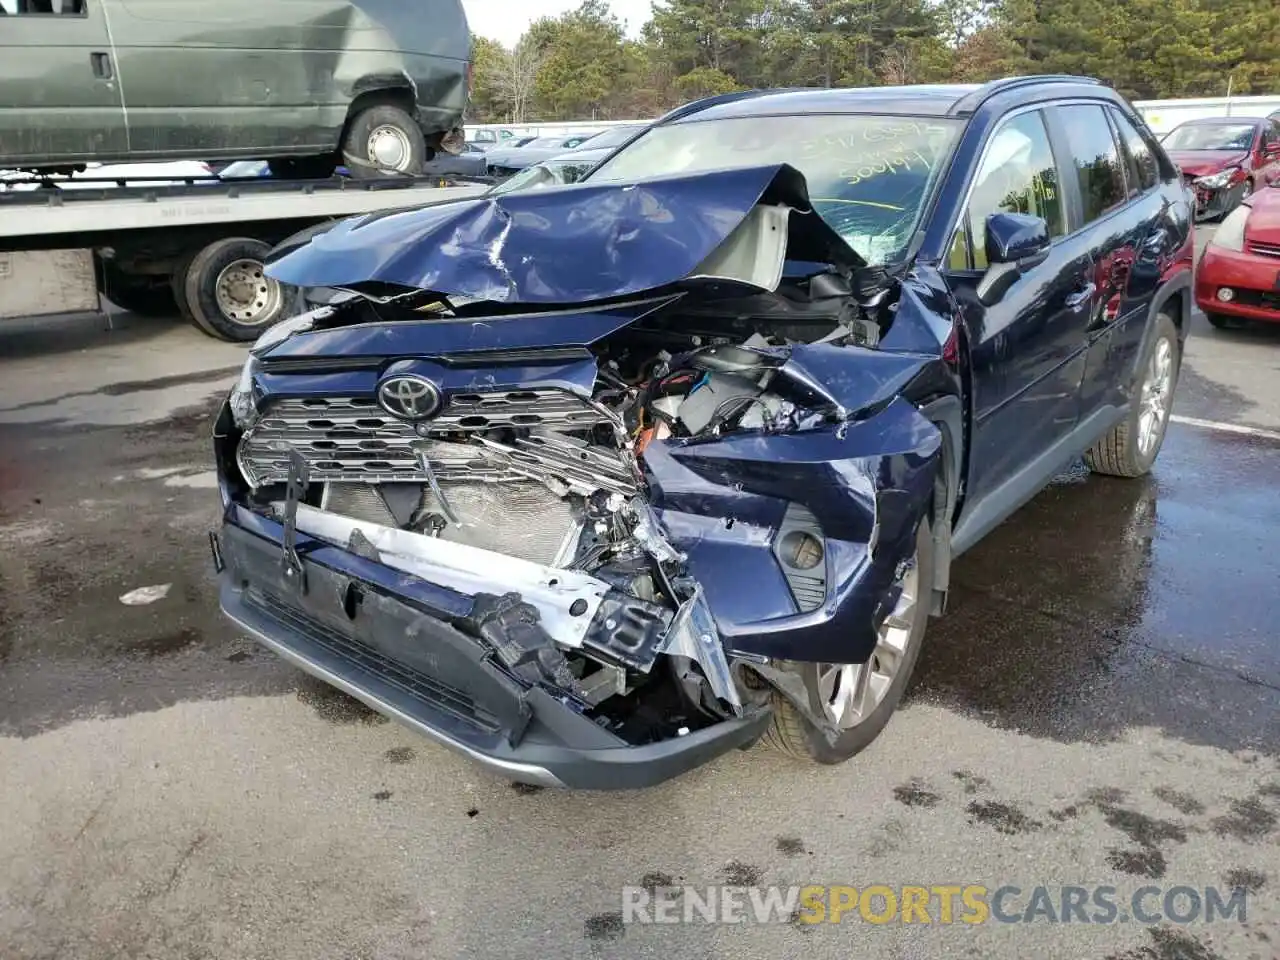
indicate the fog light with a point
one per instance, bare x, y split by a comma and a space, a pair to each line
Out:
800, 550
1226, 294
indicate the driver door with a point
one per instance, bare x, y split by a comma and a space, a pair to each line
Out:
1027, 345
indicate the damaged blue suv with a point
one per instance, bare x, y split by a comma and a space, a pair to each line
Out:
595, 482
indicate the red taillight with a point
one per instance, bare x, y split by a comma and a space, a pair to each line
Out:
471, 72
951, 348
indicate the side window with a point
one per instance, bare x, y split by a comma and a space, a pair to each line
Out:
1142, 162
1097, 159
1017, 176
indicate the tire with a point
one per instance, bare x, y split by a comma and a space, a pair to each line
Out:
793, 734
1222, 322
303, 168
178, 286
1122, 453
228, 295
142, 294
401, 135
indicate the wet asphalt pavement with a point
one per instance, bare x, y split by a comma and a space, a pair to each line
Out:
1101, 705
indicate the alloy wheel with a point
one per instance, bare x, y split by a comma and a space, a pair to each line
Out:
1157, 394
850, 692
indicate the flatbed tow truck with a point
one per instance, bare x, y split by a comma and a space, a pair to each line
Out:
187, 246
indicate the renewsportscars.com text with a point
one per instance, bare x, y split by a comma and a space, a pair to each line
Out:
938, 903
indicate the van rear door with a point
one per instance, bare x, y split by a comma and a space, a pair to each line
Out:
60, 98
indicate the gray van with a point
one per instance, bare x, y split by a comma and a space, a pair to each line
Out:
379, 85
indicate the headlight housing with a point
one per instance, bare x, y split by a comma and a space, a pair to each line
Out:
1230, 233
243, 402
1215, 181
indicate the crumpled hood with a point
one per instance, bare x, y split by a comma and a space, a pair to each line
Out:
1201, 163
561, 245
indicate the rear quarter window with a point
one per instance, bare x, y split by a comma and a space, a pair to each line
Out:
1144, 168
1096, 157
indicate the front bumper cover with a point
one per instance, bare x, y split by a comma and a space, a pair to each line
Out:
417, 668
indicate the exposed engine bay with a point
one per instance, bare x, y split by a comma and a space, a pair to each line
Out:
551, 476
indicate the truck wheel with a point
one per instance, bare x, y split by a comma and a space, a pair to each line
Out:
1132, 446
859, 699
143, 294
178, 286
228, 295
382, 141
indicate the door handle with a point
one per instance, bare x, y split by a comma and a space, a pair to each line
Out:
1082, 295
101, 63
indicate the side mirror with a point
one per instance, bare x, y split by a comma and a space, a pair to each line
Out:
1014, 237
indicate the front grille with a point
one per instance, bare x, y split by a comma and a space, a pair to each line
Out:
1266, 299
1264, 249
441, 696
353, 439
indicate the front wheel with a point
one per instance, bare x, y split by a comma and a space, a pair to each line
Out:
858, 699
1131, 448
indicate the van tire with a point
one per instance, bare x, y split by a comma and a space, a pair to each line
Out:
403, 134
227, 294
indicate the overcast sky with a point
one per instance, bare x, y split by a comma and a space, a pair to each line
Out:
506, 20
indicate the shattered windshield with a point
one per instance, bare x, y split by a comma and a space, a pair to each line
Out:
1211, 136
550, 173
868, 176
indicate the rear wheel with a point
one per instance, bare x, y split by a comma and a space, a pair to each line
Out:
228, 294
859, 699
143, 294
1131, 448
384, 141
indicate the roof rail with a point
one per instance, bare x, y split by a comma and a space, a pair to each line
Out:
971, 102
696, 106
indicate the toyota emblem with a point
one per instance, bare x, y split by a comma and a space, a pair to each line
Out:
409, 397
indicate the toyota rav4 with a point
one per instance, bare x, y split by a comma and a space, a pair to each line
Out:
595, 482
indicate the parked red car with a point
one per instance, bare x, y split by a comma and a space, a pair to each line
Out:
1239, 275
1225, 159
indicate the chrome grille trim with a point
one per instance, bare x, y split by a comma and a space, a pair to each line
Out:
353, 439
1264, 249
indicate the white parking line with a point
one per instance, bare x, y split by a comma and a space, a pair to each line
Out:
1226, 427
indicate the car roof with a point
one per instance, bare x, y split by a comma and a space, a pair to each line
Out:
940, 100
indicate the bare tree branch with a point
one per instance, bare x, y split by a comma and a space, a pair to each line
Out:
517, 74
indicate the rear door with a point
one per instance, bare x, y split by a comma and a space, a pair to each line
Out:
1026, 346
59, 94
